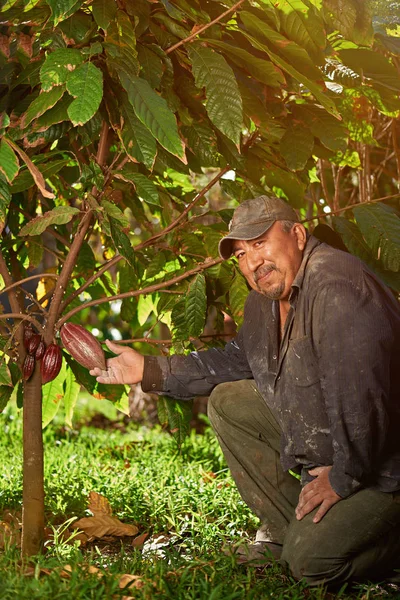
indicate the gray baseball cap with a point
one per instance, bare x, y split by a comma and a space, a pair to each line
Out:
253, 218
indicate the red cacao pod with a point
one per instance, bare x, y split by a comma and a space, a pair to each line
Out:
51, 363
83, 346
28, 333
28, 366
34, 343
41, 349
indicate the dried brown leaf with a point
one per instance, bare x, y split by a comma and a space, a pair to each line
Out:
36, 174
99, 505
130, 581
140, 540
100, 526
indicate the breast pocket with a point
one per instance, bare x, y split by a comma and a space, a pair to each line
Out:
301, 362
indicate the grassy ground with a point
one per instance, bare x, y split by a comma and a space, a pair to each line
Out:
187, 496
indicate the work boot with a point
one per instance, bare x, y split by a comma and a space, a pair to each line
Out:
256, 554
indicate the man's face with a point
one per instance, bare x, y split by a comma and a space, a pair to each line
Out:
271, 261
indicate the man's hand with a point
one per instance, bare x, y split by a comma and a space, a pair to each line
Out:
125, 368
315, 493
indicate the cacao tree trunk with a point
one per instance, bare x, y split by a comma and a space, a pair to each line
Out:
33, 476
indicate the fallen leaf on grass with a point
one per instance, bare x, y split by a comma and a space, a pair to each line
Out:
130, 581
10, 531
103, 523
140, 540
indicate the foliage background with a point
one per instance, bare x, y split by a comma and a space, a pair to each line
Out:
152, 120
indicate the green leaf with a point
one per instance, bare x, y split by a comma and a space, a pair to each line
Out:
261, 68
5, 395
5, 375
24, 180
352, 237
86, 85
35, 252
296, 147
121, 242
380, 227
53, 393
127, 281
237, 297
57, 216
138, 141
151, 64
115, 212
329, 130
196, 305
77, 28
223, 100
203, 142
58, 65
121, 46
62, 9
71, 393
104, 12
372, 65
179, 414
351, 18
86, 262
5, 199
145, 188
42, 103
55, 115
301, 23
9, 164
180, 331
152, 110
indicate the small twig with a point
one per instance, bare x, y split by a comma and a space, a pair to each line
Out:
21, 281
196, 33
23, 318
350, 207
147, 290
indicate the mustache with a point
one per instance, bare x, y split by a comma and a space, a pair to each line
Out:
263, 270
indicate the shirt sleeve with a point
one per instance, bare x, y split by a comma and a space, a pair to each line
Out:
197, 373
354, 339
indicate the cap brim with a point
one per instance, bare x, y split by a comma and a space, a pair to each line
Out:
246, 232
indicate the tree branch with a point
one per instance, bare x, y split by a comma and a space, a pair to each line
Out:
148, 290
23, 318
350, 207
21, 281
196, 33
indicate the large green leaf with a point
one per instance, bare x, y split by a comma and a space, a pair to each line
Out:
203, 142
352, 18
58, 65
177, 414
53, 393
223, 99
55, 115
86, 263
121, 46
352, 237
86, 85
380, 227
5, 375
138, 141
373, 65
302, 24
196, 305
152, 110
180, 328
9, 164
330, 131
5, 199
24, 179
151, 64
121, 242
296, 147
104, 12
71, 393
61, 9
57, 216
44, 102
260, 68
5, 395
237, 297
145, 188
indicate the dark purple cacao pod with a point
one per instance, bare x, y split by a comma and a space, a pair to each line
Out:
83, 346
41, 349
28, 366
34, 343
51, 363
28, 333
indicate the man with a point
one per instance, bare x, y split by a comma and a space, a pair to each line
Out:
311, 385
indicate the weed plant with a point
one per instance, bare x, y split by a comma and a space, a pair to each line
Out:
186, 495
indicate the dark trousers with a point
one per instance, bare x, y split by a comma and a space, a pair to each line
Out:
357, 540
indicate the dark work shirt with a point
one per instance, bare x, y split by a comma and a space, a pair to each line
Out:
333, 381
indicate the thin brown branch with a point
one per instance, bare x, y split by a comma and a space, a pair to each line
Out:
350, 207
147, 290
21, 281
23, 318
201, 29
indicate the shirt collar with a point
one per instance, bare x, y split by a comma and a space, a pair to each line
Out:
297, 284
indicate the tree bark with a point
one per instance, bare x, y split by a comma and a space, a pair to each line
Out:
33, 474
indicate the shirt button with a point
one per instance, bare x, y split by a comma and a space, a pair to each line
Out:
274, 357
153, 385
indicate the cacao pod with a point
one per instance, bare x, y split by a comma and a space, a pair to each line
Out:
40, 350
51, 363
33, 343
28, 366
28, 333
83, 346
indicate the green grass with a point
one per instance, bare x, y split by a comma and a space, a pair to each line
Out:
187, 495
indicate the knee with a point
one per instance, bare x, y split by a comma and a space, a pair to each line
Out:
305, 563
221, 401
